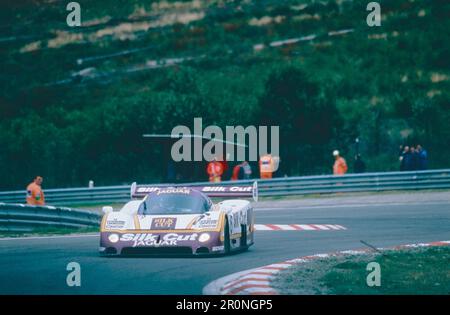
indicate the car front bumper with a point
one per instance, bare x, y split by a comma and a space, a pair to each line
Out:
144, 243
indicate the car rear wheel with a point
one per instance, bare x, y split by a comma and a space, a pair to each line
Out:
243, 244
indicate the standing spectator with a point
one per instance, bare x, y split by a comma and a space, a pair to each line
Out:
359, 166
340, 166
215, 170
266, 166
414, 159
406, 159
245, 171
35, 194
423, 158
242, 171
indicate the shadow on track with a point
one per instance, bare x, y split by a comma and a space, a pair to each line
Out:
234, 253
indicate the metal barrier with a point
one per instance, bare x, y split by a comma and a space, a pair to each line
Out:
433, 179
66, 196
24, 218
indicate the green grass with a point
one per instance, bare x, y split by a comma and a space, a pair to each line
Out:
408, 271
50, 231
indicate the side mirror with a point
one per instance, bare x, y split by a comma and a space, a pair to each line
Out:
107, 209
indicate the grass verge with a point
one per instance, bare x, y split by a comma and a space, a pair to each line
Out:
424, 270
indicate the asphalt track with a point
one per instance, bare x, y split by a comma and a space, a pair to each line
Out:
38, 265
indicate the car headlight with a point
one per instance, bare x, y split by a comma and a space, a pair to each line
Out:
113, 238
204, 238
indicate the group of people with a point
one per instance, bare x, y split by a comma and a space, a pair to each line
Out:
340, 165
413, 158
268, 164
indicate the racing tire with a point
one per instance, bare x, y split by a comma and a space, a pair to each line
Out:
226, 240
243, 240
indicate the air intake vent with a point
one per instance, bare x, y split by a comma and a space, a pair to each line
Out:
202, 250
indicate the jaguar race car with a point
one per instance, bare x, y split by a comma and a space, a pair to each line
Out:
180, 221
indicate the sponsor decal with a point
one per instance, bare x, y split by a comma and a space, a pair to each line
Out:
147, 189
241, 189
226, 189
114, 224
217, 248
163, 224
162, 190
149, 239
182, 190
207, 223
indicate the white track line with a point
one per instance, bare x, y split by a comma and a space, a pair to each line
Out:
258, 227
298, 227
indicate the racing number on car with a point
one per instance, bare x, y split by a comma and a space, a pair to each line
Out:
163, 223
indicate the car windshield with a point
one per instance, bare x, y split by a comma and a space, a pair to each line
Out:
174, 204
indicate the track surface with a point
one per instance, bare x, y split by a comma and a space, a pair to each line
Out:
38, 265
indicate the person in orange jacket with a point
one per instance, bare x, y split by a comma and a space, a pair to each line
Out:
340, 166
215, 171
35, 194
266, 166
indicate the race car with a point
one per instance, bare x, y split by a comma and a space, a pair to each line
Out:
180, 221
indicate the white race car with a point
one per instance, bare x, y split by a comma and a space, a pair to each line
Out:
180, 220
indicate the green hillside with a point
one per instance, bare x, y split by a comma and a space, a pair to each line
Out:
74, 101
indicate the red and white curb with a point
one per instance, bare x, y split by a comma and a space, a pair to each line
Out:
258, 281
298, 227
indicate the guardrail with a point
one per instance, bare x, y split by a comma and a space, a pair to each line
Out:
433, 179
24, 218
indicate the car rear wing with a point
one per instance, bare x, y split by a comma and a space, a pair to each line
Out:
221, 191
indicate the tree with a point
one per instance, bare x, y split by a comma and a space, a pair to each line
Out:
306, 116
